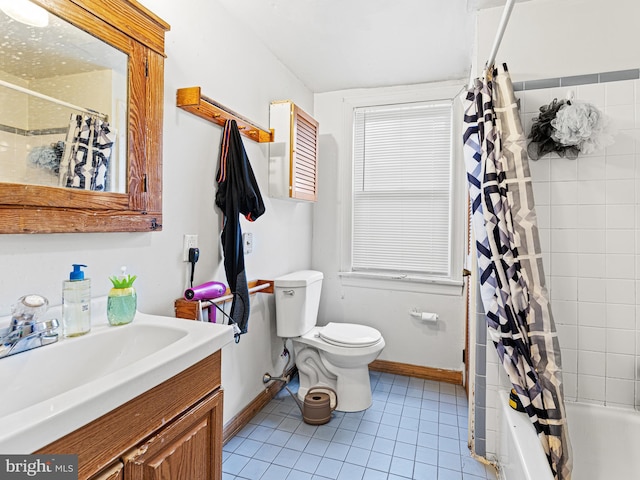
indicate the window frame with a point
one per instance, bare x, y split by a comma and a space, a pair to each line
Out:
375, 188
444, 91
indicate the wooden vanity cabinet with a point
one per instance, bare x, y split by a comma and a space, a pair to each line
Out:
115, 472
171, 432
183, 450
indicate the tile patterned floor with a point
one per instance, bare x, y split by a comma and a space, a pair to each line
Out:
415, 429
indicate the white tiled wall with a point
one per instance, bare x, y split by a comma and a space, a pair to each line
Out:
8, 168
14, 163
495, 382
588, 213
589, 218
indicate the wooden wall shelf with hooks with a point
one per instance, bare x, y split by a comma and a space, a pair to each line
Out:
192, 100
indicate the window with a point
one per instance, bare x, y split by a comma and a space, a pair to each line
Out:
402, 164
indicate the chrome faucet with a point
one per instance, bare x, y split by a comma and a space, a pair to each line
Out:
25, 332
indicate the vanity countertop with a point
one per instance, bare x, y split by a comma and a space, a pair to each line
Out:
53, 390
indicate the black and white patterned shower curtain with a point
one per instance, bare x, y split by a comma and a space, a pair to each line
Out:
87, 152
512, 283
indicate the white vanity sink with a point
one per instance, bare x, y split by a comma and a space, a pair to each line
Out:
53, 390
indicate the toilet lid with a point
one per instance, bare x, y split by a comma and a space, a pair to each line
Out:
349, 334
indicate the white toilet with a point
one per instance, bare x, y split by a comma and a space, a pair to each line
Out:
336, 355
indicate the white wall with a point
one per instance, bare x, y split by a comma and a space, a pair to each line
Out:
84, 89
205, 47
15, 111
559, 38
587, 208
385, 305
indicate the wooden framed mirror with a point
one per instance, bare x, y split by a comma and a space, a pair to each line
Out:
81, 121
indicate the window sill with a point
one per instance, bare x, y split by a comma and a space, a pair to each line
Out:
407, 283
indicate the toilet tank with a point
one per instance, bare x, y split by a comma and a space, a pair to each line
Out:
297, 302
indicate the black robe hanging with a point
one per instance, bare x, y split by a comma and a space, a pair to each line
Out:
238, 193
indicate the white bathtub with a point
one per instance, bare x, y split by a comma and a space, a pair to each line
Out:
605, 442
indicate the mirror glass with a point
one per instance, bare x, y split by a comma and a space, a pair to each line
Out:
63, 103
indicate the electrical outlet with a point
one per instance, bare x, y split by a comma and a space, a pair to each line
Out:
190, 241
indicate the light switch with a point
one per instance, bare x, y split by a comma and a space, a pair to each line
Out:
247, 242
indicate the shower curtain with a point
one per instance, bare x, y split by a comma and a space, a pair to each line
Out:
87, 152
512, 284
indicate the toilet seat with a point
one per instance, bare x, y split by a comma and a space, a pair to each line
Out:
349, 335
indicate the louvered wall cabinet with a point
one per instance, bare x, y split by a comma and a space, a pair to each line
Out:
293, 157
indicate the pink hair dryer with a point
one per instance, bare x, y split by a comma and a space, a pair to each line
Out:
206, 291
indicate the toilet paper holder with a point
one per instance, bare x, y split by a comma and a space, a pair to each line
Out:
424, 316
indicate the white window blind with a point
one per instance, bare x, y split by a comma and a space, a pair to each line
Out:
402, 189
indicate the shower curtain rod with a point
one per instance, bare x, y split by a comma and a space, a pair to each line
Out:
52, 99
504, 20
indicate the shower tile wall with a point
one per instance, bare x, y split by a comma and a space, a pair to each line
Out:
589, 219
10, 170
14, 154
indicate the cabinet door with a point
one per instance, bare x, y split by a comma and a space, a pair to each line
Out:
190, 448
293, 157
304, 156
115, 472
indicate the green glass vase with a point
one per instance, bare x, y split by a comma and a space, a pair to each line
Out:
121, 305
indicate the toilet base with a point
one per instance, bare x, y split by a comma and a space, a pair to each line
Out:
352, 396
352, 385
353, 388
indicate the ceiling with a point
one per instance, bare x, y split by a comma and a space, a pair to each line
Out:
329, 44
340, 44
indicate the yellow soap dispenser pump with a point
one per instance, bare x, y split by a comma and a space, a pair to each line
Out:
76, 303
